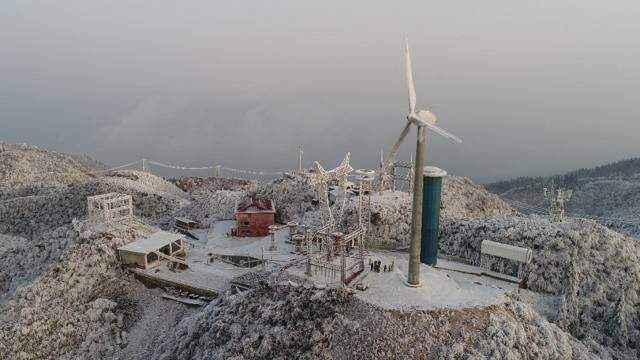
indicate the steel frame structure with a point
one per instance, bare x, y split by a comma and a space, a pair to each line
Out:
110, 207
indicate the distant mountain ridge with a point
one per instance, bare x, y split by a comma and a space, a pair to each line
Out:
625, 169
610, 193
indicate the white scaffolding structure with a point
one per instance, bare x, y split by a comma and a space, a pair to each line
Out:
402, 173
110, 207
331, 255
394, 175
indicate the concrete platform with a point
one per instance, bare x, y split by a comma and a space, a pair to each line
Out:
475, 270
207, 273
449, 285
440, 288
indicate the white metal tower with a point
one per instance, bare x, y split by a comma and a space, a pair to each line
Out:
557, 198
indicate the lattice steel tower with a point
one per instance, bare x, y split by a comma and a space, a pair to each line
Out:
557, 198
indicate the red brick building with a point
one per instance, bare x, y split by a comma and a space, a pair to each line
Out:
253, 217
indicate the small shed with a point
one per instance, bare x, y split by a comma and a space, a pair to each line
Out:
254, 216
146, 253
186, 224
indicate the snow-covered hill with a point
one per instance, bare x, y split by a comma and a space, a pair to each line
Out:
22, 164
63, 293
30, 210
609, 194
593, 272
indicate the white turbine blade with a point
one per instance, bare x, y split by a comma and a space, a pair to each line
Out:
410, 85
396, 146
443, 132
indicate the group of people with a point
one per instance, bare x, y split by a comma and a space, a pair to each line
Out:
375, 266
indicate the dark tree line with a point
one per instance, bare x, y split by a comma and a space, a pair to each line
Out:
623, 168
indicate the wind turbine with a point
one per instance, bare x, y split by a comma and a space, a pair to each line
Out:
421, 119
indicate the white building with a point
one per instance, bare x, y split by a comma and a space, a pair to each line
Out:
147, 253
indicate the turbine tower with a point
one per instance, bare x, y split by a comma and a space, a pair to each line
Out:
421, 119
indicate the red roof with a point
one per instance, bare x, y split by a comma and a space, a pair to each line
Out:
256, 204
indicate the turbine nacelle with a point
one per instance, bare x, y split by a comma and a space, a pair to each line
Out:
428, 119
422, 118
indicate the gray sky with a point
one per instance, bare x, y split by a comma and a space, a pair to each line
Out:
533, 88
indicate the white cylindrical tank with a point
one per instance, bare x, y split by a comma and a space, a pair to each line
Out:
511, 252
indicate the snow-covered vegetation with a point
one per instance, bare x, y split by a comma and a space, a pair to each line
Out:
30, 210
609, 193
22, 164
593, 272
64, 295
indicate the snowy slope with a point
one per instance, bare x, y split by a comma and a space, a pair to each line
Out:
22, 164
593, 271
610, 194
34, 209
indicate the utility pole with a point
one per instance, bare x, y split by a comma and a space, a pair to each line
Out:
383, 173
307, 234
300, 152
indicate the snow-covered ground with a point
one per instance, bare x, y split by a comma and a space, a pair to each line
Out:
209, 272
440, 289
63, 293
